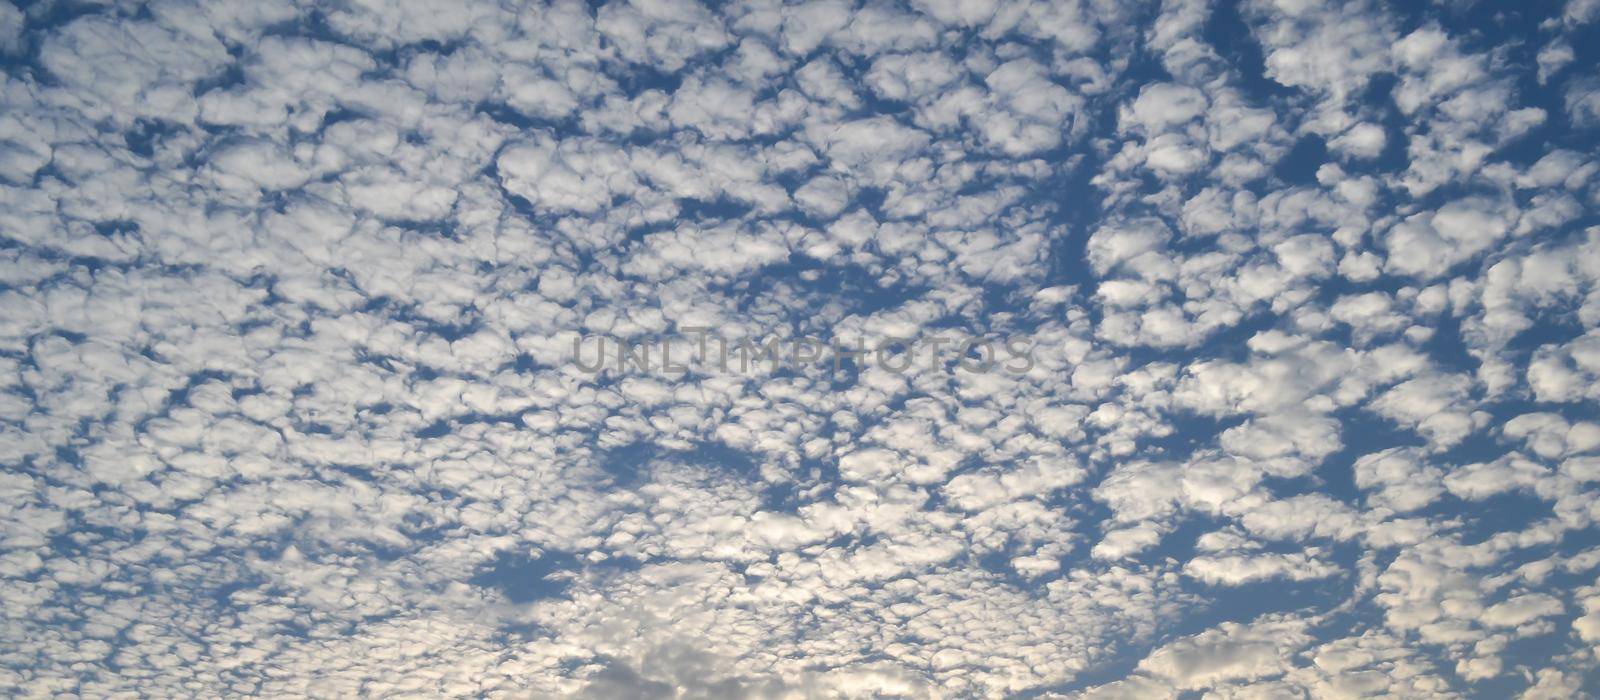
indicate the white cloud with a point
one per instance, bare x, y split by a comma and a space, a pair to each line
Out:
1237, 569
1361, 141
1400, 478
1228, 652
1428, 246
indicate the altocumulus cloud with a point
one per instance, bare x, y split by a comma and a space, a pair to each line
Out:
289, 291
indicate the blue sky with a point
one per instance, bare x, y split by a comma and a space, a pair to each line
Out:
289, 295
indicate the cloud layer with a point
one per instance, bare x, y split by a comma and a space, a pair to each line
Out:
288, 295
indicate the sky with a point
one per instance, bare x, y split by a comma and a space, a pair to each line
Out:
296, 301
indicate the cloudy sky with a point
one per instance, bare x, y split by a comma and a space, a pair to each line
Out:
290, 294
